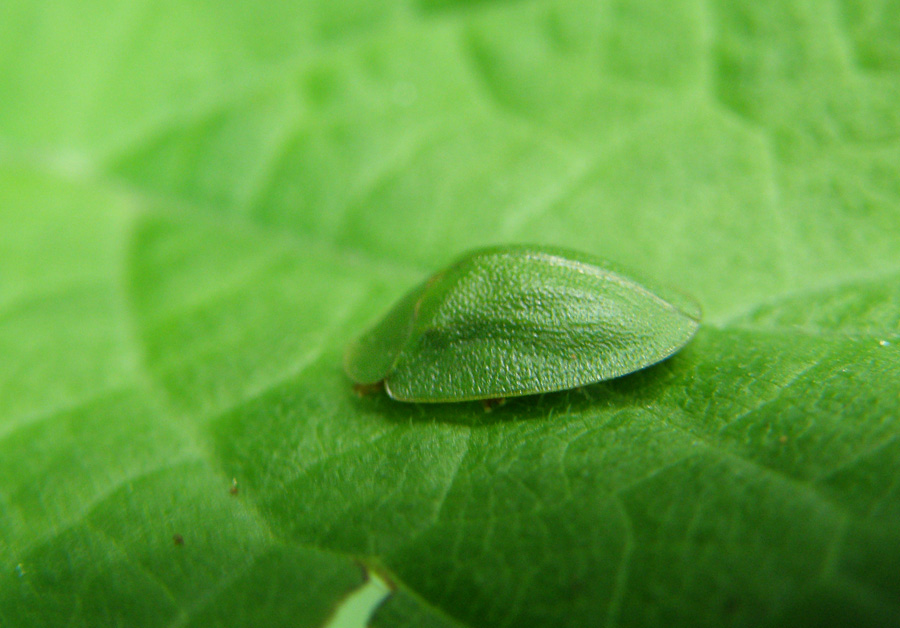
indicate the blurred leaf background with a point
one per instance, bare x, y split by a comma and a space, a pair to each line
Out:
202, 202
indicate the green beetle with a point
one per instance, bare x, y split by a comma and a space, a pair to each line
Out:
519, 320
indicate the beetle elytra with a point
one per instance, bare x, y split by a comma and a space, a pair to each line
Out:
519, 320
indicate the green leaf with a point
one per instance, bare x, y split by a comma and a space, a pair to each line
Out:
201, 204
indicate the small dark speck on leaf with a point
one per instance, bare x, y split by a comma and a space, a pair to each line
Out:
782, 439
234, 487
731, 606
178, 539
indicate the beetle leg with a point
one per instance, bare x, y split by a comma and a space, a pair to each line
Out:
490, 404
364, 390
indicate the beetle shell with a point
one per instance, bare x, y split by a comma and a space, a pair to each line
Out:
519, 320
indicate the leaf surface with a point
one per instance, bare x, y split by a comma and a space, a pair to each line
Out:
201, 204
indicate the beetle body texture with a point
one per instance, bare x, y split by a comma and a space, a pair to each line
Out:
519, 320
